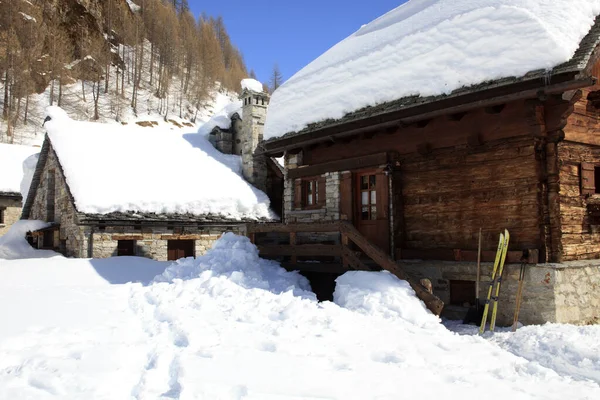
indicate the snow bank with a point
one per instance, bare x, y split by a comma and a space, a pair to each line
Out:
383, 295
567, 349
430, 47
13, 244
12, 157
236, 259
113, 168
252, 84
222, 118
134, 7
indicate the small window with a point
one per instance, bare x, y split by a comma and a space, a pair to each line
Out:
263, 102
597, 180
126, 248
2, 211
102, 226
311, 192
368, 197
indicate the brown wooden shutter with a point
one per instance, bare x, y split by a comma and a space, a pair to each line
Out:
382, 190
346, 196
298, 193
588, 186
322, 194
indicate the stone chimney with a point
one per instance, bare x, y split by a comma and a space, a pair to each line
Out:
254, 114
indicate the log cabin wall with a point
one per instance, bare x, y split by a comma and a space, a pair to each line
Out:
579, 156
458, 173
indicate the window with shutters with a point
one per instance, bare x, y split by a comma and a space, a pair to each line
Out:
590, 179
310, 193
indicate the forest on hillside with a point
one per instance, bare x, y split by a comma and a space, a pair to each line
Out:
104, 53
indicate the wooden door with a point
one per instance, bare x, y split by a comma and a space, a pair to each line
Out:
177, 249
372, 207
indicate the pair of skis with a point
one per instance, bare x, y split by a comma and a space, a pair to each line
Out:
494, 288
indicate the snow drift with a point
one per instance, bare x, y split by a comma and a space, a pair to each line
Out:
14, 246
430, 47
12, 157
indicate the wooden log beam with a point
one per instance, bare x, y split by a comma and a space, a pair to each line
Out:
300, 227
310, 250
339, 165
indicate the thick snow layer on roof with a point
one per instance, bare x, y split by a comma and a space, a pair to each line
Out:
222, 118
252, 84
112, 168
430, 47
11, 165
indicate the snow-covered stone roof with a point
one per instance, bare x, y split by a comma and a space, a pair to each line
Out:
12, 157
429, 48
114, 168
222, 118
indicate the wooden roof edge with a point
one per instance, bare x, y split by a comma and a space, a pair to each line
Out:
416, 112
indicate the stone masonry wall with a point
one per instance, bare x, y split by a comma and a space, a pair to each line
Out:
331, 211
12, 212
151, 242
562, 293
64, 210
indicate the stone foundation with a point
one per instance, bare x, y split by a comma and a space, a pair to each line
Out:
561, 293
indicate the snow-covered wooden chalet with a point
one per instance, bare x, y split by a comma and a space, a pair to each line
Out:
443, 117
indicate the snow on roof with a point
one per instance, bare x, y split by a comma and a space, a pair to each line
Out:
222, 118
12, 157
252, 84
115, 168
427, 48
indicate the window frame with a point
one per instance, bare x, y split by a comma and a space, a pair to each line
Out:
310, 200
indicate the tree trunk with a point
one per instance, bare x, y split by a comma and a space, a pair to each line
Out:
83, 90
52, 92
5, 109
26, 110
151, 62
60, 92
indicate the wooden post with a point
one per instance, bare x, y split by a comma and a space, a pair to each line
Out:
294, 259
344, 246
478, 272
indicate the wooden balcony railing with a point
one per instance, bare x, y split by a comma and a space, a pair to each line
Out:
341, 250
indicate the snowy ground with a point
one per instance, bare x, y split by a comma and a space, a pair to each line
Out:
229, 325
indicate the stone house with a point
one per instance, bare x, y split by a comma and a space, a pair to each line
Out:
11, 173
418, 176
110, 190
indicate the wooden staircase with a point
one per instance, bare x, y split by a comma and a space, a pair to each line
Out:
329, 247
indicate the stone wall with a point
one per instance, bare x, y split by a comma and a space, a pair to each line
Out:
150, 242
331, 210
562, 293
71, 234
12, 212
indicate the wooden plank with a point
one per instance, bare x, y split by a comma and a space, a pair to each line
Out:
333, 268
353, 262
127, 237
314, 250
292, 244
349, 164
346, 197
300, 227
432, 302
